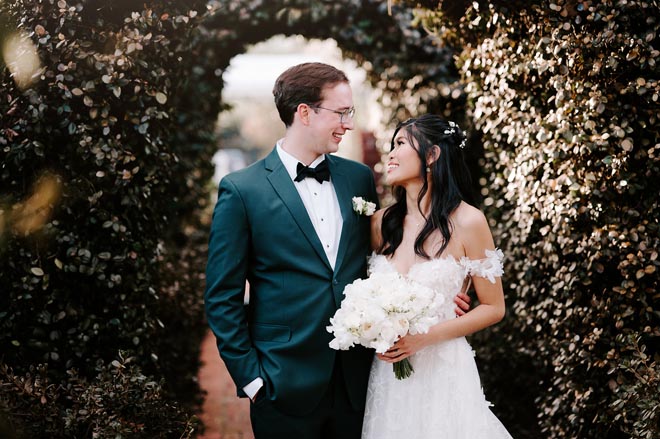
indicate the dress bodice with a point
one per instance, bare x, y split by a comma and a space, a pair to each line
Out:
445, 275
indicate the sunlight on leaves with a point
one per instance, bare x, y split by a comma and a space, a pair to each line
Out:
20, 56
30, 216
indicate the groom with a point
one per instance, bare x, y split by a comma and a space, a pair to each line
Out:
287, 226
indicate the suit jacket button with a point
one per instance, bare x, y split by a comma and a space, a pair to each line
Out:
336, 282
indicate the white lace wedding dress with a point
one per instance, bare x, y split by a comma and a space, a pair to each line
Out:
443, 397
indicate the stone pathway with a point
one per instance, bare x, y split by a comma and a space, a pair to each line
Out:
225, 415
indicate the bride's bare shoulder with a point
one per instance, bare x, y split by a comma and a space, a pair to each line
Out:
472, 230
468, 217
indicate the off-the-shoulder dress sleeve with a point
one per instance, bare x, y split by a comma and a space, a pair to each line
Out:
489, 267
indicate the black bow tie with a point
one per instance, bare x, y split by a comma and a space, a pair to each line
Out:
321, 173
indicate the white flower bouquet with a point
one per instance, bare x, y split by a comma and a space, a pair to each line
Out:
379, 310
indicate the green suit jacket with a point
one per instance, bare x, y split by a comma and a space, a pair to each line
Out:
262, 233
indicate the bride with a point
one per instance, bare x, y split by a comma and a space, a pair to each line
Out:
434, 237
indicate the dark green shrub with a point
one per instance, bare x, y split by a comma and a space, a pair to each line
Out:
565, 97
119, 402
97, 145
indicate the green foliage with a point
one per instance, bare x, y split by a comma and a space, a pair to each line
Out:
118, 402
100, 189
565, 98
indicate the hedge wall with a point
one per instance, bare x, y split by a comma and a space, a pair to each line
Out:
565, 97
100, 311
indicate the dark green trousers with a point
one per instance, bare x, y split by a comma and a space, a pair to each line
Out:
333, 418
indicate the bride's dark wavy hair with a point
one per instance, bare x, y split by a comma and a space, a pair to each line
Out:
450, 182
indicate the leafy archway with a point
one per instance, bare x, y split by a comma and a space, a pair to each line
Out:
402, 61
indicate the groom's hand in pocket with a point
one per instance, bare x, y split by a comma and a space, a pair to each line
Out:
463, 302
257, 396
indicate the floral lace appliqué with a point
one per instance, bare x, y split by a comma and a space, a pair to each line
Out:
489, 267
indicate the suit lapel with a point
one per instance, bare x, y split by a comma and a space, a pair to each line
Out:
280, 179
343, 191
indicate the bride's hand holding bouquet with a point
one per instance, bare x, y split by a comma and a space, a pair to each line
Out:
405, 347
378, 311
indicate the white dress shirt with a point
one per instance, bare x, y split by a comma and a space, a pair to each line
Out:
320, 200
322, 205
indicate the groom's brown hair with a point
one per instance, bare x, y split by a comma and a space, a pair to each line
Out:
303, 84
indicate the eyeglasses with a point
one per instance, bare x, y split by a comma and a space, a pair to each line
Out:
343, 115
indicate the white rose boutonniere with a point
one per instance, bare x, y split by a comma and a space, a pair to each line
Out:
362, 207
